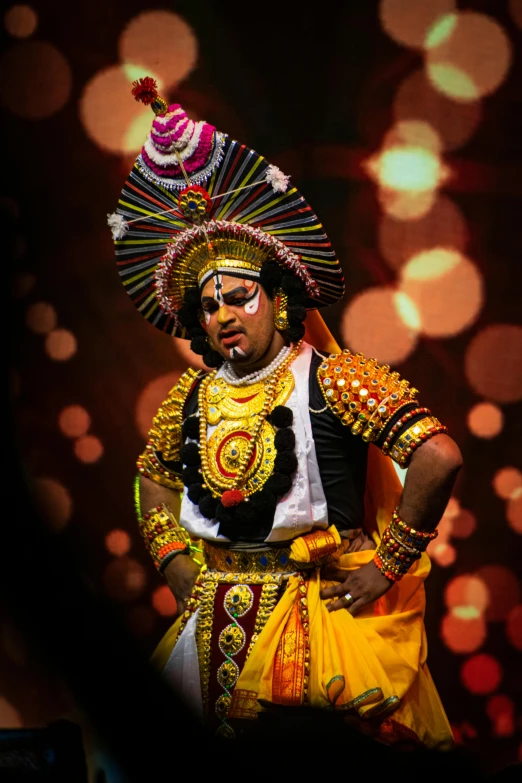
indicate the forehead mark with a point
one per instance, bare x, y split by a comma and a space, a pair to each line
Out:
218, 289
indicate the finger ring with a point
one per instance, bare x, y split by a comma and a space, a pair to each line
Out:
349, 598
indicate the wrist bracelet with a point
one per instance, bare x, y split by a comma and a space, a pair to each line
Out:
400, 546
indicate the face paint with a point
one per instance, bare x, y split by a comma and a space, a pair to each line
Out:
218, 290
207, 316
236, 351
252, 305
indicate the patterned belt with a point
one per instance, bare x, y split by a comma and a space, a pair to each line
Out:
245, 562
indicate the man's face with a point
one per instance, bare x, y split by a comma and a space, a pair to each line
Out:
237, 317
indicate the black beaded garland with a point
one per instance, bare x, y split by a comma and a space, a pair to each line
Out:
189, 455
190, 428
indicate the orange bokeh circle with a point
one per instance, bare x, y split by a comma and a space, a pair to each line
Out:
514, 513
493, 363
464, 524
409, 21
506, 482
88, 448
463, 635
41, 318
55, 502
443, 225
35, 80
405, 204
162, 43
118, 542
446, 289
514, 626
60, 345
485, 420
74, 421
164, 602
473, 60
372, 325
150, 399
467, 590
481, 674
20, 21
454, 122
443, 553
124, 579
503, 588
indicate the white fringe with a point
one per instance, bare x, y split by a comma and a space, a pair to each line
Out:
118, 225
277, 179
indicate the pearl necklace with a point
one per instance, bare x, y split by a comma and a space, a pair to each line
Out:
255, 377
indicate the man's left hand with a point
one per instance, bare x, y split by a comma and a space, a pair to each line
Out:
364, 585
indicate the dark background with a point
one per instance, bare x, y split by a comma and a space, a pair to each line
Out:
313, 89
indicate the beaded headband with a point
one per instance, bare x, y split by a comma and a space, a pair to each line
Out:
171, 233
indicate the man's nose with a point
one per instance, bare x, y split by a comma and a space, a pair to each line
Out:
224, 315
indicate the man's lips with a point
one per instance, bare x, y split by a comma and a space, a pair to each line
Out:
230, 337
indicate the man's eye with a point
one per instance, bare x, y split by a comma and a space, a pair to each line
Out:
209, 308
237, 302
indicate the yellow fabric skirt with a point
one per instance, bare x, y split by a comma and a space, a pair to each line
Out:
369, 666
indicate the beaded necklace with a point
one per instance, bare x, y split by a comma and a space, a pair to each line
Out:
235, 380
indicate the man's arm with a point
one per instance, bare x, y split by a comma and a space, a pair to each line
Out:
180, 572
429, 482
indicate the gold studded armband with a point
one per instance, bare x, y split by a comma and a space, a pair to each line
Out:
160, 459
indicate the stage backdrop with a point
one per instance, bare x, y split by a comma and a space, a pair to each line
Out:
397, 120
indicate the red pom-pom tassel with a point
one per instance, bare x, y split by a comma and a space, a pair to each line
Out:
145, 90
232, 497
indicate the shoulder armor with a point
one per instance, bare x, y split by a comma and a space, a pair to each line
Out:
164, 441
361, 393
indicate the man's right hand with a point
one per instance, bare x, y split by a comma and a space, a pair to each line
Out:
181, 574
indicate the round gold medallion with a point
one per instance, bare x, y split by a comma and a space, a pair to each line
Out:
222, 705
225, 732
227, 674
238, 600
231, 639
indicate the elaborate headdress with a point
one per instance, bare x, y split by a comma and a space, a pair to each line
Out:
171, 233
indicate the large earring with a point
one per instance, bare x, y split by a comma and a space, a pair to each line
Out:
281, 310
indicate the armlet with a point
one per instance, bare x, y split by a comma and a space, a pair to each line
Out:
363, 394
164, 441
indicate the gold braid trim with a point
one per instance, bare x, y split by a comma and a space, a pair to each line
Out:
361, 393
165, 435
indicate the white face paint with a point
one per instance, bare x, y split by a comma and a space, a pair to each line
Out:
252, 306
218, 290
236, 351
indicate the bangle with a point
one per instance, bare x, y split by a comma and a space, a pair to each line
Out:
149, 466
400, 546
399, 424
163, 535
170, 556
414, 437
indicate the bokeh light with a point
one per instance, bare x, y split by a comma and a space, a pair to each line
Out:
493, 363
464, 524
408, 21
454, 122
164, 602
160, 42
88, 448
407, 167
74, 421
413, 133
150, 399
473, 60
467, 590
20, 21
400, 240
503, 588
108, 111
500, 710
463, 635
35, 80
485, 420
60, 345
41, 318
54, 500
506, 482
514, 626
405, 204
514, 512
10, 718
124, 579
372, 324
118, 542
141, 620
443, 553
481, 674
446, 288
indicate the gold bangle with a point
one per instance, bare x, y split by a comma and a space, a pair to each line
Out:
414, 437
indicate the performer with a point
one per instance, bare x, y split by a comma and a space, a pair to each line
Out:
266, 494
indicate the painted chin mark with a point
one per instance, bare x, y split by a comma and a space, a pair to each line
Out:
252, 306
236, 351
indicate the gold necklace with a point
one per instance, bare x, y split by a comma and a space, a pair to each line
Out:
235, 453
